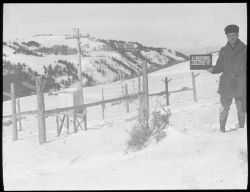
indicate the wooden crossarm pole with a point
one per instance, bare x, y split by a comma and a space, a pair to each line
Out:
75, 37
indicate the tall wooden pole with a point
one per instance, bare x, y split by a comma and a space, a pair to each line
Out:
77, 36
146, 94
41, 111
140, 96
79, 58
14, 122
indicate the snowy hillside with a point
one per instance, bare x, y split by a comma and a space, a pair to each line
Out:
193, 155
54, 57
97, 53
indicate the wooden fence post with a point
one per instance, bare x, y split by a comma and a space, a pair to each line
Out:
166, 89
85, 118
57, 124
74, 121
139, 96
194, 87
134, 85
127, 99
103, 105
41, 111
14, 122
18, 111
146, 94
67, 123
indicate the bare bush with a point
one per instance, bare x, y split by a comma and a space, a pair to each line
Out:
141, 133
138, 137
159, 122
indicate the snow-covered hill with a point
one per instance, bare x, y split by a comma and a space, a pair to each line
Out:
193, 155
111, 56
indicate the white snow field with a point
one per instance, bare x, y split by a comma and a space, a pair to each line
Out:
193, 155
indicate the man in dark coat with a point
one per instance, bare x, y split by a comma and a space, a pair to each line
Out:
232, 64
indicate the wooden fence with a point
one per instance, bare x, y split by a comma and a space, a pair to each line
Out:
42, 113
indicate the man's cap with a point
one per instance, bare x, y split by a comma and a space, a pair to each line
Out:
231, 29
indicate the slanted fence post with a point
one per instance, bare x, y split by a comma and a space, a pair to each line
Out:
194, 87
103, 105
14, 122
41, 111
166, 89
127, 99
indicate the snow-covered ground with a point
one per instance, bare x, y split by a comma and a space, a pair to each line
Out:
193, 155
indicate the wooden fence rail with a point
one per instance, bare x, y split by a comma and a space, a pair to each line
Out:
164, 92
103, 102
58, 110
41, 113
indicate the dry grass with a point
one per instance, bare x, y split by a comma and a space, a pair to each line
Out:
140, 134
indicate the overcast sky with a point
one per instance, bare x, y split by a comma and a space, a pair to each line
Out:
175, 26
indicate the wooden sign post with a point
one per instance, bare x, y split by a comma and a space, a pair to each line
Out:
194, 86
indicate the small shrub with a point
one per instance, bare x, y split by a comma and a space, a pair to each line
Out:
141, 134
138, 137
158, 123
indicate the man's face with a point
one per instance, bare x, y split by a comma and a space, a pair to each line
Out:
232, 38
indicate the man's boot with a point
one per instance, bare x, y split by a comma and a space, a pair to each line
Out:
241, 119
223, 120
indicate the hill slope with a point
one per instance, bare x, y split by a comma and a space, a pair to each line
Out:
103, 61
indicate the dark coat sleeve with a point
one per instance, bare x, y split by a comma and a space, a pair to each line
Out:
243, 67
218, 68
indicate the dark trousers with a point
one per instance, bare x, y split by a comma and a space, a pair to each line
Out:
239, 102
240, 106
